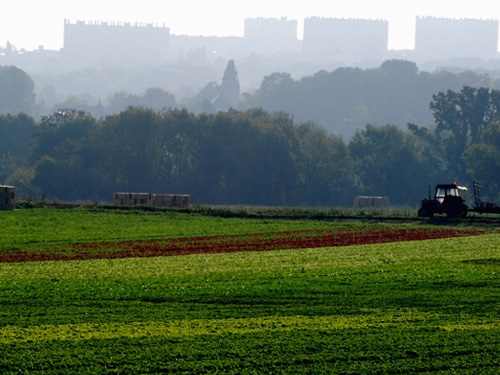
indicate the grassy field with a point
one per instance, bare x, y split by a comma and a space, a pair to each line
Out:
407, 307
42, 228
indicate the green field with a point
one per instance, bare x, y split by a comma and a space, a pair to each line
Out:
42, 228
408, 307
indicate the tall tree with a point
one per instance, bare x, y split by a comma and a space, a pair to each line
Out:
461, 118
127, 141
389, 162
16, 134
326, 171
158, 99
482, 160
16, 91
276, 92
63, 158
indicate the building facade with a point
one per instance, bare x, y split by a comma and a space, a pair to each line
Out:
345, 40
111, 42
271, 36
444, 38
326, 43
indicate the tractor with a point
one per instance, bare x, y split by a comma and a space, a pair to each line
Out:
446, 200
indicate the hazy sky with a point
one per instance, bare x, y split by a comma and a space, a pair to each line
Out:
30, 23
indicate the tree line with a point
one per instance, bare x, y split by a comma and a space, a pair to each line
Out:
341, 101
251, 156
346, 99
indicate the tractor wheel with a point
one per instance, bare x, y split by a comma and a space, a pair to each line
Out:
454, 207
422, 212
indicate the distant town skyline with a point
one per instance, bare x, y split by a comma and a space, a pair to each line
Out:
29, 24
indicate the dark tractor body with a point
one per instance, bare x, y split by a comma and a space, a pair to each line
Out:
446, 200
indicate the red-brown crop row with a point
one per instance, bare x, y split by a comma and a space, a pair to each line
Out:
232, 243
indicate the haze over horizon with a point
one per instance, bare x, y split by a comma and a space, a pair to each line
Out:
29, 24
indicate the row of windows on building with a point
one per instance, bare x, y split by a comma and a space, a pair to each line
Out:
322, 36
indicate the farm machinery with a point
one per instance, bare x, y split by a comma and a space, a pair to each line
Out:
447, 200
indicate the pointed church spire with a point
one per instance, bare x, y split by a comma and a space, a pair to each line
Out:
230, 87
230, 74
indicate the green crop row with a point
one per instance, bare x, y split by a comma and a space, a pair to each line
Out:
375, 351
43, 228
408, 307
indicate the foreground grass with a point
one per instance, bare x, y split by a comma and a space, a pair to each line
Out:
426, 306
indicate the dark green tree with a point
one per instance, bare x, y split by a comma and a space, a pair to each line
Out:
16, 91
64, 125
120, 101
388, 161
276, 93
401, 68
326, 167
346, 99
176, 156
226, 166
248, 157
158, 99
16, 134
461, 118
63, 156
482, 161
278, 154
15, 144
128, 144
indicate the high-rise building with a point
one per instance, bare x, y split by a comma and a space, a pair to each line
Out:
345, 40
444, 38
115, 42
271, 36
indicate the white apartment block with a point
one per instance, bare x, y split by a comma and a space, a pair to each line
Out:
445, 38
110, 42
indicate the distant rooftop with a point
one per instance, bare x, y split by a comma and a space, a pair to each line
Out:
114, 23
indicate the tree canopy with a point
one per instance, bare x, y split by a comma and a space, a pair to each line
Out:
16, 91
250, 157
343, 101
281, 150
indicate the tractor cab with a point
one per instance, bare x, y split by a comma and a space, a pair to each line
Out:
447, 190
446, 200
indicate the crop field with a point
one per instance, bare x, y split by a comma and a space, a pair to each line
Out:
101, 292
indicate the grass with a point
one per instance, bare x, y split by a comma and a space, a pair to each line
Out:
406, 307
43, 228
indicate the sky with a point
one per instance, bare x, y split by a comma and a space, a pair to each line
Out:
29, 24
